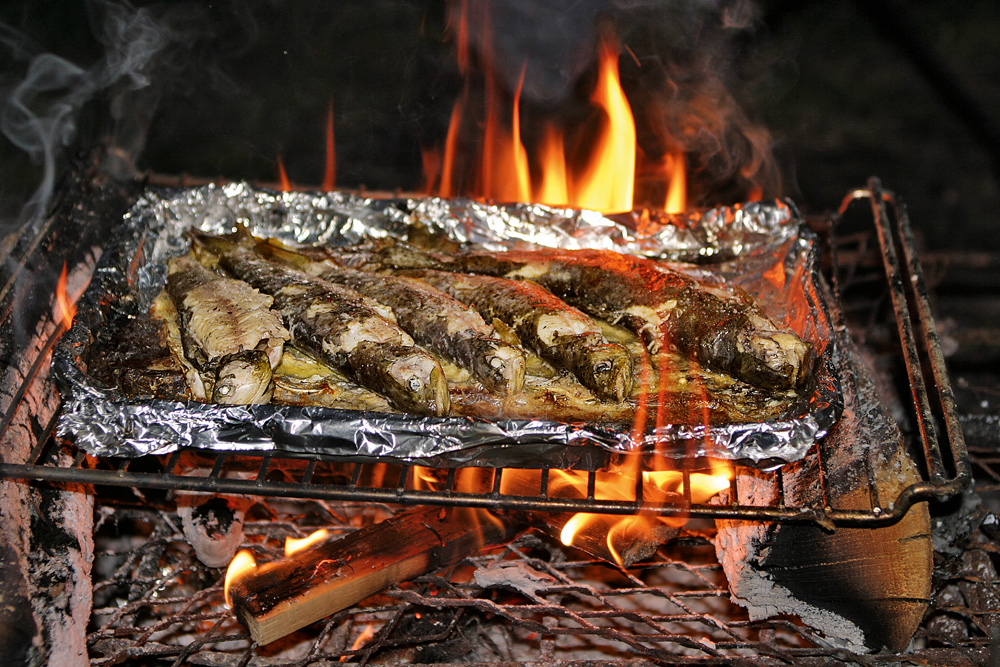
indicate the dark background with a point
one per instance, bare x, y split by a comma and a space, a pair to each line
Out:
905, 91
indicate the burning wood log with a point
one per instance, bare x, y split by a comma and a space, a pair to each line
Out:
616, 538
282, 596
625, 540
866, 587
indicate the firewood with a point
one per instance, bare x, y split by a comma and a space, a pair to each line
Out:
865, 587
284, 595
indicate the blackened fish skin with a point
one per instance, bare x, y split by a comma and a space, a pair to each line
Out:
719, 330
228, 329
439, 322
557, 332
344, 330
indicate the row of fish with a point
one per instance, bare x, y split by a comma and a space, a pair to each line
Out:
378, 312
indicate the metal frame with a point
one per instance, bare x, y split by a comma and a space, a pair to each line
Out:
946, 468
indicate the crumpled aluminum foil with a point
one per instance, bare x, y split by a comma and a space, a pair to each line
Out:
737, 244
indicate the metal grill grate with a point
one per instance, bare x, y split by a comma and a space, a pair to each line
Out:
154, 599
154, 603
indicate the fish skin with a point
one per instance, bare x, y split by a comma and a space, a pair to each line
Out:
444, 325
225, 325
663, 307
436, 320
557, 332
343, 329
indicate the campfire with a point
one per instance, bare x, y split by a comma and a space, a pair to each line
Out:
661, 549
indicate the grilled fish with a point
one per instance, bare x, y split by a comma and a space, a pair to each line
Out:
722, 331
227, 329
439, 322
558, 333
343, 329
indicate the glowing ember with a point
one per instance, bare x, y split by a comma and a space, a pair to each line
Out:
65, 309
294, 545
242, 564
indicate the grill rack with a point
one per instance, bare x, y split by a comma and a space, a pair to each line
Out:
940, 446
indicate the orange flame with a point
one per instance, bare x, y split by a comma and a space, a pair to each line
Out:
243, 564
65, 309
451, 147
366, 634
519, 157
674, 176
619, 483
511, 170
554, 190
330, 167
294, 545
285, 184
609, 181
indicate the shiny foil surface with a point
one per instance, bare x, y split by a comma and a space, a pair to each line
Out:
745, 245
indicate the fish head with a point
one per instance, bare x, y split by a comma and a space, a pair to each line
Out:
611, 367
408, 376
243, 378
423, 382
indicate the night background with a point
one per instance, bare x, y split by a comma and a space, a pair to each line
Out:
903, 91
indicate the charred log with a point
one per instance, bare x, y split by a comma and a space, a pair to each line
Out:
864, 587
285, 595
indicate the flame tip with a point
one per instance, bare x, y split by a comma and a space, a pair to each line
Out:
239, 567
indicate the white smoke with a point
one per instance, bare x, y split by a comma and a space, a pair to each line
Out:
40, 112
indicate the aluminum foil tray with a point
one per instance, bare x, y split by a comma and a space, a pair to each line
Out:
761, 247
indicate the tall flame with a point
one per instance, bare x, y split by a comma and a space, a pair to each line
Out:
65, 309
609, 180
676, 179
510, 164
554, 190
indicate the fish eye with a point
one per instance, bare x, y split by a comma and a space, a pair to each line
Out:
602, 367
224, 390
414, 384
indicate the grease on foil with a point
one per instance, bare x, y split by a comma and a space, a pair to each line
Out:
737, 243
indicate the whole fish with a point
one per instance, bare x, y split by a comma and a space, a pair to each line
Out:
439, 322
558, 333
723, 331
227, 329
343, 329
